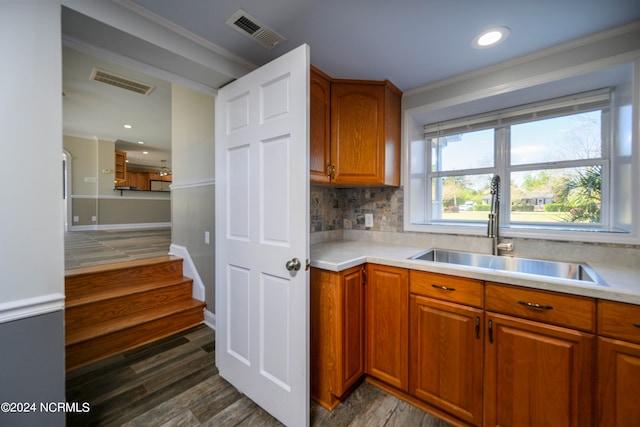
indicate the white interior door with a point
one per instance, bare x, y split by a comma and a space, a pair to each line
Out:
262, 216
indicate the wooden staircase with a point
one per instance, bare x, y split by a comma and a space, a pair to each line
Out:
116, 307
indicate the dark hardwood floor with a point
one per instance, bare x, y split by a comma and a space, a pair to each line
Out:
174, 382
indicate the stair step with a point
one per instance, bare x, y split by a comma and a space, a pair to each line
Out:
81, 282
108, 293
97, 330
111, 305
86, 346
114, 308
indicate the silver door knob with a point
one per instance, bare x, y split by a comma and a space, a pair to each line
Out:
293, 265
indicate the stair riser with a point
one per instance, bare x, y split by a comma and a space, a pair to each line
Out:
85, 284
87, 352
100, 311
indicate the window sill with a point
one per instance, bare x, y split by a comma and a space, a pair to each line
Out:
595, 235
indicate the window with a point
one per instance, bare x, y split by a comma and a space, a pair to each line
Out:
553, 159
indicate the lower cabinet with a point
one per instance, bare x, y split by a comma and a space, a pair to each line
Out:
387, 325
474, 352
337, 333
539, 373
446, 356
618, 383
618, 364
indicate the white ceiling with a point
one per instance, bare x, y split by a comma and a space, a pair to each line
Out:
410, 42
97, 110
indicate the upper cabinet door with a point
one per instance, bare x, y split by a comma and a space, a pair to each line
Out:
320, 126
365, 133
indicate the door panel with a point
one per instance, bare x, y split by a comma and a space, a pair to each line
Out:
262, 216
238, 322
538, 374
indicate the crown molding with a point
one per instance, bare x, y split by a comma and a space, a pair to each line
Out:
171, 26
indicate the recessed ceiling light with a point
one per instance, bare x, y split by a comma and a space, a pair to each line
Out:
145, 152
491, 37
140, 142
128, 126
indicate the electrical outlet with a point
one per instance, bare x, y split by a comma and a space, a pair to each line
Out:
93, 218
76, 218
206, 237
368, 220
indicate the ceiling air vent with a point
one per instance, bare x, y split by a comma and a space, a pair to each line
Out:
121, 82
254, 29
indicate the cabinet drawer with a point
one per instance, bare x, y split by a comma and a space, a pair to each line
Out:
447, 288
619, 320
559, 309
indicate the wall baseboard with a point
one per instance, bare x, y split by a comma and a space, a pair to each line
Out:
120, 226
29, 307
210, 319
83, 227
134, 225
189, 270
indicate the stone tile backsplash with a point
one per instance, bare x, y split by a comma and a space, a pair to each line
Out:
338, 213
345, 208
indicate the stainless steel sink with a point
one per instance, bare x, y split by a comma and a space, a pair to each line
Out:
563, 270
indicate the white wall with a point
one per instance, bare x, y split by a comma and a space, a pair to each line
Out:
586, 64
591, 53
193, 188
31, 217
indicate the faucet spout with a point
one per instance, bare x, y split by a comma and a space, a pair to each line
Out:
493, 227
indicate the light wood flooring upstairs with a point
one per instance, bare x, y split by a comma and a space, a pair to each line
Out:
174, 381
90, 248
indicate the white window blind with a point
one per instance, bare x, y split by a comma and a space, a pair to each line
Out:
586, 101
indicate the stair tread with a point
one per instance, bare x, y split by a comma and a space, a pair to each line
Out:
114, 325
107, 293
99, 348
74, 272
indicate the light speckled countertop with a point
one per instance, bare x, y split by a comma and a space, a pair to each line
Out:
623, 283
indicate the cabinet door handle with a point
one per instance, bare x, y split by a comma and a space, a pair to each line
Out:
491, 331
444, 288
637, 325
534, 305
331, 171
478, 327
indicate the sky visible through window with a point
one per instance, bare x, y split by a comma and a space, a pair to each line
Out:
563, 138
549, 191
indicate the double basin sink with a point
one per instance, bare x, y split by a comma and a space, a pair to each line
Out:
579, 272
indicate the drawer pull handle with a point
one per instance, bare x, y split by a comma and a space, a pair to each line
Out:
444, 288
491, 331
534, 305
637, 325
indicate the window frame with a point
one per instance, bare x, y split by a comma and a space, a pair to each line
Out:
502, 166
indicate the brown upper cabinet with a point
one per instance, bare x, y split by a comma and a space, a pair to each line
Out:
120, 166
355, 131
320, 126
